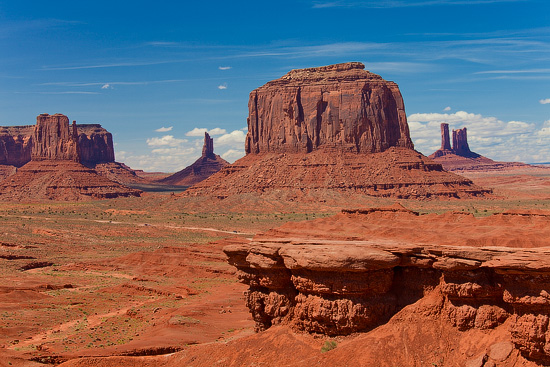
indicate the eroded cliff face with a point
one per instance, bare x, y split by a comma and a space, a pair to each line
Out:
15, 145
338, 282
96, 144
17, 142
340, 107
53, 139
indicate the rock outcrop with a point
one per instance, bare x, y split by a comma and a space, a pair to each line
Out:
96, 144
54, 140
333, 128
339, 107
55, 171
459, 157
204, 167
17, 143
353, 272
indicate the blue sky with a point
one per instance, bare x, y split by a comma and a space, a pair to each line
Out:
158, 74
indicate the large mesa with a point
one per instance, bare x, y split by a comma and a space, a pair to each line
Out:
54, 171
339, 106
336, 128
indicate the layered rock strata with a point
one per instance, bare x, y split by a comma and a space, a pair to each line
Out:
349, 273
204, 167
54, 172
336, 127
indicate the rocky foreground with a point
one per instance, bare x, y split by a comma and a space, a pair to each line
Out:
355, 271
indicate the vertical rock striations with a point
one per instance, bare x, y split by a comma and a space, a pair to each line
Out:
460, 144
53, 140
96, 144
445, 140
338, 106
17, 143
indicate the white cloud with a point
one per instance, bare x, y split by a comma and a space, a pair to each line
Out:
234, 139
222, 86
106, 86
217, 131
545, 101
224, 67
233, 154
199, 132
164, 129
166, 140
447, 108
489, 136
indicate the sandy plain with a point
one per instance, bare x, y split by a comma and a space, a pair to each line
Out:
147, 276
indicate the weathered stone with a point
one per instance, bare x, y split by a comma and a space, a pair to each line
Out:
340, 107
54, 140
352, 272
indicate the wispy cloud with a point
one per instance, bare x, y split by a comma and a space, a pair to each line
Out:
224, 67
523, 71
448, 108
164, 129
545, 101
222, 86
66, 92
402, 3
113, 65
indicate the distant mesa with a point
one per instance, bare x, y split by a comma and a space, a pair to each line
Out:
339, 128
459, 157
204, 167
54, 171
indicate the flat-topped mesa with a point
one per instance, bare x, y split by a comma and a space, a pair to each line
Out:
340, 107
208, 147
54, 140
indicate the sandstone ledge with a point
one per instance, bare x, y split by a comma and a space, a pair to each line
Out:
336, 286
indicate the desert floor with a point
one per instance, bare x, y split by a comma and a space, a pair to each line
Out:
147, 276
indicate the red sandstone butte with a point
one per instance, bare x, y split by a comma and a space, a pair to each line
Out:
55, 171
204, 167
332, 128
53, 140
339, 105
